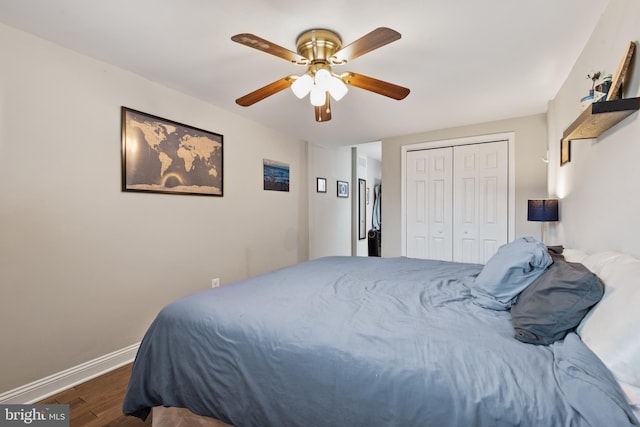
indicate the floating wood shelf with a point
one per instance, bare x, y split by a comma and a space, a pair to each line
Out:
599, 117
596, 119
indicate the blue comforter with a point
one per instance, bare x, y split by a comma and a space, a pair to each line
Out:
348, 341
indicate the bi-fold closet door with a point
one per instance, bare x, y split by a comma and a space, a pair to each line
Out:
457, 202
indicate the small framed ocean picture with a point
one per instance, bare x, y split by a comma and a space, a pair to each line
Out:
276, 175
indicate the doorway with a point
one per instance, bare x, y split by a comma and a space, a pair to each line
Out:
366, 169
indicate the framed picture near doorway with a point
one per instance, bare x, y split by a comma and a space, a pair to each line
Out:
321, 185
343, 189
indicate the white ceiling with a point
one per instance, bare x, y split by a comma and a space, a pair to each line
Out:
465, 61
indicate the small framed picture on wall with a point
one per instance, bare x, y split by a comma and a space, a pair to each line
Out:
343, 189
321, 185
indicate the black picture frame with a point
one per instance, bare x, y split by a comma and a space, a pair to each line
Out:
343, 189
321, 185
163, 156
276, 175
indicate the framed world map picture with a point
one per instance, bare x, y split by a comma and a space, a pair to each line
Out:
163, 156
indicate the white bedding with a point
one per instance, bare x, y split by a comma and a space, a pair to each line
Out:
612, 328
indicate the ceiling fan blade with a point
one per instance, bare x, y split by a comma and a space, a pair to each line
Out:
265, 91
375, 39
268, 47
374, 85
323, 113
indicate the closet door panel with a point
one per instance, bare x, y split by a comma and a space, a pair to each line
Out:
416, 208
440, 203
480, 178
429, 195
493, 175
465, 203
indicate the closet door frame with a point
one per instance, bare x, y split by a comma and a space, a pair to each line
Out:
511, 203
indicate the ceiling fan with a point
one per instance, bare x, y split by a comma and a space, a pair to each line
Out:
318, 50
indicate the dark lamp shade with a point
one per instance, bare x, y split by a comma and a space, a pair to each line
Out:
542, 210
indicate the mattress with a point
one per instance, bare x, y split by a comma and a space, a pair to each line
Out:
364, 342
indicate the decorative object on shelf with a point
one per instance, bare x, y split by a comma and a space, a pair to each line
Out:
616, 83
542, 210
163, 156
594, 77
602, 90
343, 189
600, 116
321, 185
587, 100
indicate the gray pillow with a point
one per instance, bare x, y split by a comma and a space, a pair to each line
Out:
510, 270
555, 303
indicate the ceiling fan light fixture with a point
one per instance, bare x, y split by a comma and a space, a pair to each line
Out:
318, 50
302, 86
323, 79
337, 88
317, 96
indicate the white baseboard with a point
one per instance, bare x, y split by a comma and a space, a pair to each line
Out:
45, 387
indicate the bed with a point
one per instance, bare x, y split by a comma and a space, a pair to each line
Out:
355, 341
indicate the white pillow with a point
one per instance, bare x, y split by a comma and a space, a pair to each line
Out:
597, 261
612, 328
574, 255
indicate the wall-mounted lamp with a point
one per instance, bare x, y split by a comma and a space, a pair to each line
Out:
544, 210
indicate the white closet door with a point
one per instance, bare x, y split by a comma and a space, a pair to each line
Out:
480, 175
429, 203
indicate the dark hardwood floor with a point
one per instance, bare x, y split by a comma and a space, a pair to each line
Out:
98, 402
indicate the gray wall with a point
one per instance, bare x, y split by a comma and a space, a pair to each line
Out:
329, 215
84, 267
600, 188
531, 171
